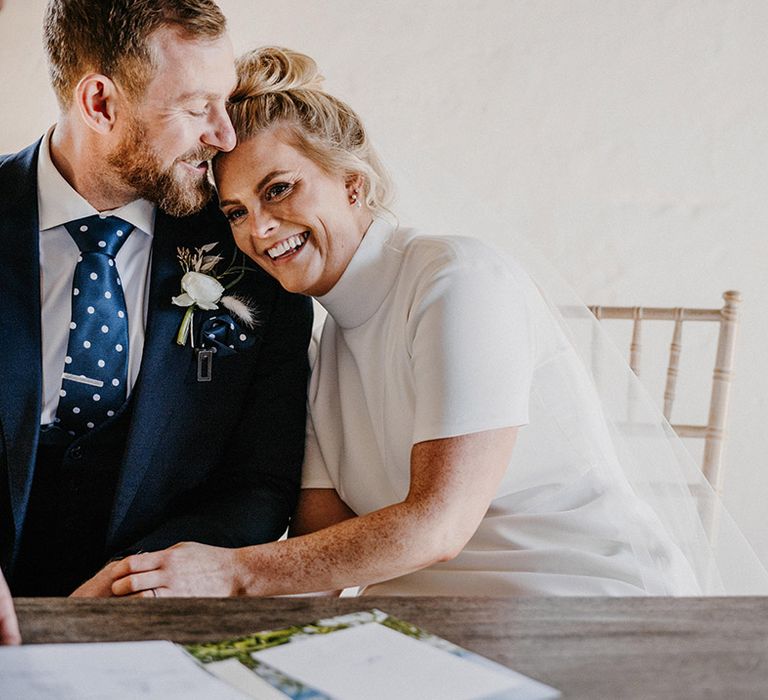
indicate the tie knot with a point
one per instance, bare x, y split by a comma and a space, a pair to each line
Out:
96, 234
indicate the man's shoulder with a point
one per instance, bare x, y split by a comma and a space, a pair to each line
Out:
17, 174
8, 158
23, 159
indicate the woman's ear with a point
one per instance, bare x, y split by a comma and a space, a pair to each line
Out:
354, 183
97, 100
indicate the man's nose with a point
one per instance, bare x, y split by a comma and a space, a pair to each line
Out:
221, 133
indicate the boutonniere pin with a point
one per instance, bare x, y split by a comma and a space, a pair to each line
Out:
204, 288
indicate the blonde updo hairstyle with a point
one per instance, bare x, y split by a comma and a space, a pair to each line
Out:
280, 87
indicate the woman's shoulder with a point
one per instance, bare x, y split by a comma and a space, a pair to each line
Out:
423, 252
418, 241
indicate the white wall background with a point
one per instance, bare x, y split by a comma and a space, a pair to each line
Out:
628, 138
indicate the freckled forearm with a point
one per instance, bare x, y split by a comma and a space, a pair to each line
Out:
390, 542
453, 480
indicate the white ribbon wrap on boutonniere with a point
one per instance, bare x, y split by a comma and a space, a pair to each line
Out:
203, 288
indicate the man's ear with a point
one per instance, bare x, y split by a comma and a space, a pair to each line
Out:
98, 102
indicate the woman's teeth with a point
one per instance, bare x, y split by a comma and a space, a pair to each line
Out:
288, 245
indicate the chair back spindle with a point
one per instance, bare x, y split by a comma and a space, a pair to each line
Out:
635, 345
721, 387
674, 363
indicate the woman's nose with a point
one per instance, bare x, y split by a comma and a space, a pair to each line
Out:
262, 224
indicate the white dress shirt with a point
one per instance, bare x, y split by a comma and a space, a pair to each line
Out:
59, 203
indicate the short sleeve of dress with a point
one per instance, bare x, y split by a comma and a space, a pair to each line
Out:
471, 346
314, 473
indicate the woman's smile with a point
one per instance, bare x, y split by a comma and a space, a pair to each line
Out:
288, 248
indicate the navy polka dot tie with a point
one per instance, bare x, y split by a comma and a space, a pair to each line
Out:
93, 385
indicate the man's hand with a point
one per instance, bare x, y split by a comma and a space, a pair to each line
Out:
100, 586
186, 569
9, 626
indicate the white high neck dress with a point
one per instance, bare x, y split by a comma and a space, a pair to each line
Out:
431, 337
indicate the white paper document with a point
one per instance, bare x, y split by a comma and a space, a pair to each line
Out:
119, 671
374, 662
245, 680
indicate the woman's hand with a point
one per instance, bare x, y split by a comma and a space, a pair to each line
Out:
99, 586
185, 570
9, 626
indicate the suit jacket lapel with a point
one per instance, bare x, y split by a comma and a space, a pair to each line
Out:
20, 335
159, 389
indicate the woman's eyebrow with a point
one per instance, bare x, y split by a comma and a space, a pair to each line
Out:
262, 182
268, 177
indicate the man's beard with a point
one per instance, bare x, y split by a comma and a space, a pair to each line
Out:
138, 166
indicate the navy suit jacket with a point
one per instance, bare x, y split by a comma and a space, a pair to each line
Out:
216, 462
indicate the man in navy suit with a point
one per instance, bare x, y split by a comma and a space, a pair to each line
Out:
208, 440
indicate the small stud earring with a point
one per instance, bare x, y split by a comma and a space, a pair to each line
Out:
355, 200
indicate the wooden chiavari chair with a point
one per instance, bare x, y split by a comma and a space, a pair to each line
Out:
713, 433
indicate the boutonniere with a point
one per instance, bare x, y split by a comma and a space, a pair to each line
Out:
204, 288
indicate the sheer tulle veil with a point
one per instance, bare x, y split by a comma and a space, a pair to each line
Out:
645, 451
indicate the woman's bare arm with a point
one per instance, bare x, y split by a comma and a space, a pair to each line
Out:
453, 481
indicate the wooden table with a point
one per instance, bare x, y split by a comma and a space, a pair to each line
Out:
595, 648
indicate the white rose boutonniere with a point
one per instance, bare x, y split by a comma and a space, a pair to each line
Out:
203, 288
200, 289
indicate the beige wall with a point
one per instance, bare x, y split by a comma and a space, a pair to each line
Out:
628, 138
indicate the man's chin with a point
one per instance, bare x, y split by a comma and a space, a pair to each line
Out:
181, 201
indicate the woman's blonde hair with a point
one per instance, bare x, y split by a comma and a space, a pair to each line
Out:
280, 87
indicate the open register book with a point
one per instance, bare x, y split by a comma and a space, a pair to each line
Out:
366, 655
362, 656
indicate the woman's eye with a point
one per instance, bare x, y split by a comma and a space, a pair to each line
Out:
276, 190
235, 215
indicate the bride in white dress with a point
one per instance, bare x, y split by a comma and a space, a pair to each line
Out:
456, 444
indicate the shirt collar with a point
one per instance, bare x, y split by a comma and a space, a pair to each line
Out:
59, 203
364, 285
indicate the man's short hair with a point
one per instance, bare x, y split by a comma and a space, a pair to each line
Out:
112, 37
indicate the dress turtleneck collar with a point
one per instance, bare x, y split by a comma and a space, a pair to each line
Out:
365, 283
